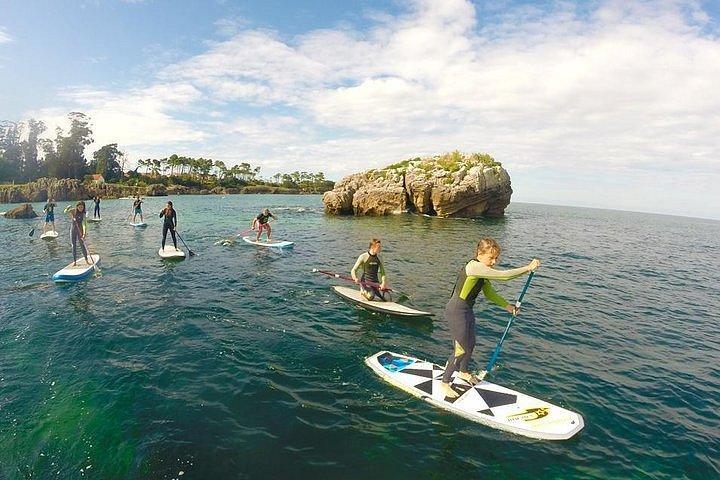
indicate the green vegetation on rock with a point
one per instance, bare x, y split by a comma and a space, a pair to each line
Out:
450, 162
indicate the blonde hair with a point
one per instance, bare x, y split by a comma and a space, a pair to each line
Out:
487, 245
374, 242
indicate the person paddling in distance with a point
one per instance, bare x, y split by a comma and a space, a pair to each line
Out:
78, 229
96, 211
373, 271
473, 278
262, 222
137, 209
169, 223
49, 210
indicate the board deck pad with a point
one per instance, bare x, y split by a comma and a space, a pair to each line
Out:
49, 235
265, 243
171, 252
486, 403
391, 308
78, 272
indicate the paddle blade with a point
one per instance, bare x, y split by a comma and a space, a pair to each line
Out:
32, 232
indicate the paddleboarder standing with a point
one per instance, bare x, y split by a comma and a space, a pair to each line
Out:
137, 209
96, 211
373, 271
473, 278
78, 229
49, 210
262, 222
169, 223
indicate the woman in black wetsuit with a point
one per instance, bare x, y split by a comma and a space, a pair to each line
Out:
78, 229
169, 223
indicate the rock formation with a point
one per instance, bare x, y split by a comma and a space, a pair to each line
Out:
452, 185
23, 211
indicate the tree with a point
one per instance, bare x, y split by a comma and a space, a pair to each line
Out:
106, 162
69, 161
32, 167
10, 151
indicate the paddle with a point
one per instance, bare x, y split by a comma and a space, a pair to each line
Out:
241, 234
496, 352
192, 254
350, 279
92, 260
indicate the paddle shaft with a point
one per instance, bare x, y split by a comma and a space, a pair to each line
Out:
496, 353
181, 239
350, 279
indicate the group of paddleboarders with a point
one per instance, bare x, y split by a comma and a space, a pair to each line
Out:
474, 277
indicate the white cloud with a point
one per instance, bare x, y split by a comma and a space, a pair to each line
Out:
627, 88
4, 36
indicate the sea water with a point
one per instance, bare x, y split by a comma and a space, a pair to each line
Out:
239, 362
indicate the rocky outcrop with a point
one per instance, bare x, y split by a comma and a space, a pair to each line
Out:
23, 211
452, 185
156, 190
64, 189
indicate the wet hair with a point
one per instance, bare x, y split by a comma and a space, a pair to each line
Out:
487, 245
170, 203
373, 242
80, 203
266, 211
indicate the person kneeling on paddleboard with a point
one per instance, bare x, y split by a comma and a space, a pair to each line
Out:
49, 210
137, 209
474, 278
169, 223
262, 222
372, 282
78, 229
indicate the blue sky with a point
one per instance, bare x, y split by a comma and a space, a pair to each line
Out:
609, 104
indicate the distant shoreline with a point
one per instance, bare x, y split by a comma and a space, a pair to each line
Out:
74, 190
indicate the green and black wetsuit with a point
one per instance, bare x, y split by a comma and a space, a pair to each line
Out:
373, 271
473, 278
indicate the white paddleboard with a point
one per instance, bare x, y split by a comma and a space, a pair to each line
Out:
138, 224
170, 252
265, 243
391, 308
78, 272
486, 403
49, 235
98, 219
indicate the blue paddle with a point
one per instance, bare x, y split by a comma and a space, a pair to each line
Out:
496, 353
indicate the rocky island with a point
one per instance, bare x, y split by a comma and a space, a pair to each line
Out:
450, 185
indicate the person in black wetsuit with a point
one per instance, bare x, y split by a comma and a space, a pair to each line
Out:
137, 209
262, 222
96, 212
169, 223
78, 229
373, 273
472, 279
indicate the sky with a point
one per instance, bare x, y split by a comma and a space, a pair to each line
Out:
608, 104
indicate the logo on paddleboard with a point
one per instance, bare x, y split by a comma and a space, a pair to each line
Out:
529, 414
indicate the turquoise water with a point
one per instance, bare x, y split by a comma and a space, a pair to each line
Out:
240, 363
